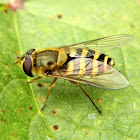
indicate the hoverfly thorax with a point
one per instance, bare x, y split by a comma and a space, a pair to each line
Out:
47, 61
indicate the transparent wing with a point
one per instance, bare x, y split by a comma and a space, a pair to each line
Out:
95, 73
102, 81
113, 80
104, 44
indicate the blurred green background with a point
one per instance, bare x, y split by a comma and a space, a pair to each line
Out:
69, 114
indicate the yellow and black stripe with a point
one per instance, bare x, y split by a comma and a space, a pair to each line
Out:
82, 62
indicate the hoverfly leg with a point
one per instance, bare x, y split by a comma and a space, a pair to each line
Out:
50, 86
34, 80
87, 95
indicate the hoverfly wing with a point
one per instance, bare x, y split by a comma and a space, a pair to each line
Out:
113, 80
104, 44
104, 82
94, 73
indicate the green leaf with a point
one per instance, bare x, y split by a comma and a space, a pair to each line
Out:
68, 114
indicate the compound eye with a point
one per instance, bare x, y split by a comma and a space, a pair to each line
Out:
27, 67
29, 52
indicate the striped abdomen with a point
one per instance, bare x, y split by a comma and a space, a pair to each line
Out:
84, 62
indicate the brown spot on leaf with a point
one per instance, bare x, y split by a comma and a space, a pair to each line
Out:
17, 52
99, 101
19, 111
88, 133
10, 78
2, 120
44, 85
5, 11
14, 135
83, 129
41, 98
53, 112
132, 25
39, 85
138, 2
9, 29
6, 66
30, 107
59, 16
2, 111
55, 127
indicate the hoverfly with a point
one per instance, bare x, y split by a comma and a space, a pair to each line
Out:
79, 63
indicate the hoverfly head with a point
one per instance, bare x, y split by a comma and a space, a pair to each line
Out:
26, 62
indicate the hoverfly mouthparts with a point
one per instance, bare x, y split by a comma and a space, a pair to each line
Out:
16, 61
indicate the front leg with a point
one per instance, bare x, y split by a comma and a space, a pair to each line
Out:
51, 85
34, 80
